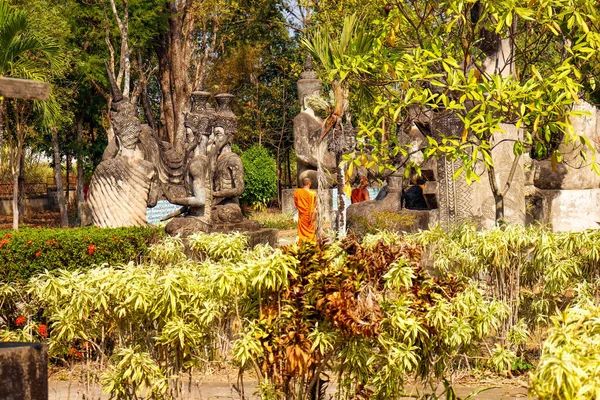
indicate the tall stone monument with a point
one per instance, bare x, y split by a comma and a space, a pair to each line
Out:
566, 195
307, 129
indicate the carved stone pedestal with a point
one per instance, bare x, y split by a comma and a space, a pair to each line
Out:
185, 226
566, 210
23, 371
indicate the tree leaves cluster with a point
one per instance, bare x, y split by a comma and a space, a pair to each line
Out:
490, 63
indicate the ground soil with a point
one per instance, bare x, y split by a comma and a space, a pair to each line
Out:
221, 385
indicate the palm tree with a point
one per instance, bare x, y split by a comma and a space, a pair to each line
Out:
26, 54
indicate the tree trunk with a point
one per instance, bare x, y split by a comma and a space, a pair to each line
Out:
21, 179
175, 53
68, 175
2, 113
16, 167
15, 199
80, 198
60, 195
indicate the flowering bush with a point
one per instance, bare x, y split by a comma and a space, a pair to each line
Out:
28, 252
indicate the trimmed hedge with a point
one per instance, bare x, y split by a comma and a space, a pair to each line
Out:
27, 252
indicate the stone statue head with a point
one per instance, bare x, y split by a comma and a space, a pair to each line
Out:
221, 138
308, 84
126, 124
198, 123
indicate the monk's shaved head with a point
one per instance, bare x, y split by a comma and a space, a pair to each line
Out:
306, 181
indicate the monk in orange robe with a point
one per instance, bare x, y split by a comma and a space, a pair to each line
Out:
306, 203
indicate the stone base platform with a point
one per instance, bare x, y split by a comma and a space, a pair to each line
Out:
23, 371
566, 210
385, 214
185, 226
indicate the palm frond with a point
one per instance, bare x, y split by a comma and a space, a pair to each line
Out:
331, 49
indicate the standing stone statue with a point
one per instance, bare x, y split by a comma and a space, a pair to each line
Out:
198, 124
307, 129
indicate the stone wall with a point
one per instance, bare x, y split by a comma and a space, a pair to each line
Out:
36, 204
23, 371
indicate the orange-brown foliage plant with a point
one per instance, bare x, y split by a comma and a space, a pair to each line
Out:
339, 312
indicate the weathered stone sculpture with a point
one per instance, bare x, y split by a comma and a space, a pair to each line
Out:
567, 195
199, 124
214, 175
228, 175
123, 184
307, 129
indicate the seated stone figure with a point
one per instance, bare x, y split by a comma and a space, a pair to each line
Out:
228, 179
198, 167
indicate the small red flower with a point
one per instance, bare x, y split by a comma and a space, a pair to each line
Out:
91, 249
29, 242
8, 235
73, 352
20, 320
39, 253
43, 330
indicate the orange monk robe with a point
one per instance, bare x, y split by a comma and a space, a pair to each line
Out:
306, 203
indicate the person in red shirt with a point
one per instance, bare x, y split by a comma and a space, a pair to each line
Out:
360, 193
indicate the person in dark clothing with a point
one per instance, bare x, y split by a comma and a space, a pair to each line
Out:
382, 193
413, 198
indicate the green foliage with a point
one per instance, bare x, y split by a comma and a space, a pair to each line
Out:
274, 220
531, 268
28, 252
381, 221
260, 176
441, 61
367, 312
370, 310
570, 361
219, 246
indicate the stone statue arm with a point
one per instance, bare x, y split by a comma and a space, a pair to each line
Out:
236, 171
197, 170
192, 201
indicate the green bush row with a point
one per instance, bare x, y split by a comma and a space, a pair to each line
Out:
27, 252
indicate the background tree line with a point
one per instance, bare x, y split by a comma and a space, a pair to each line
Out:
162, 50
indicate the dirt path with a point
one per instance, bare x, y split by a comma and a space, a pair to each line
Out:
212, 388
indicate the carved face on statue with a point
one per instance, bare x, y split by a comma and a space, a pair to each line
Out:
126, 124
220, 139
